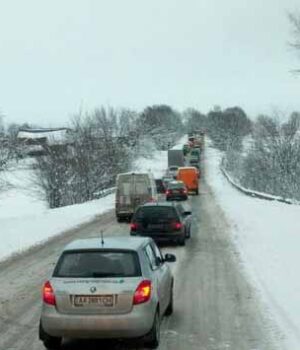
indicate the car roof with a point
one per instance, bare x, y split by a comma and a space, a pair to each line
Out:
187, 168
120, 242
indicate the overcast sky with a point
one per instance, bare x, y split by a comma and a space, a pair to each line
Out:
59, 56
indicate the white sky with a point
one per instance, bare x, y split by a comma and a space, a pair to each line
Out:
59, 56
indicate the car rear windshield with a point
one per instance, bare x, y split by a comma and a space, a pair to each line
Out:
175, 185
109, 263
156, 214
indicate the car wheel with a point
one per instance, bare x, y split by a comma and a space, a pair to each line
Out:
197, 192
153, 336
119, 219
51, 343
170, 307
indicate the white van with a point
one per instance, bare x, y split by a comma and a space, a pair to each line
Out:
132, 190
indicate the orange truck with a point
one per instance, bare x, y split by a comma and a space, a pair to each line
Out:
190, 176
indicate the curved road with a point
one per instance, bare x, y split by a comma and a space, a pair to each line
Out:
215, 306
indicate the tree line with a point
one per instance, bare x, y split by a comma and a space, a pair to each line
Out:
100, 144
261, 154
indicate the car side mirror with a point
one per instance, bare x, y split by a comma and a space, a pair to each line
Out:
169, 258
187, 212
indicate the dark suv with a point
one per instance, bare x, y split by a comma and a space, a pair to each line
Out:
163, 221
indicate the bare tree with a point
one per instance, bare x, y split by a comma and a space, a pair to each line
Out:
227, 128
272, 162
98, 149
162, 124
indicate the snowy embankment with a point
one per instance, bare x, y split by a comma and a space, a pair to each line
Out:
25, 219
267, 236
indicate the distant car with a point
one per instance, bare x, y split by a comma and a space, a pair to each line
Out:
160, 186
176, 190
163, 221
186, 149
195, 154
166, 180
172, 171
118, 288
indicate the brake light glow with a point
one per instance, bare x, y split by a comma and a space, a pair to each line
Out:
133, 226
177, 225
48, 294
168, 192
142, 293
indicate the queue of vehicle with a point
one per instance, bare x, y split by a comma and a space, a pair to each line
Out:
121, 287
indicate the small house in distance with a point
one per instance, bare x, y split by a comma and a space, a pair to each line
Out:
35, 141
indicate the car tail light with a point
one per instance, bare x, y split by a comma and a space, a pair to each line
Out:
177, 225
142, 293
48, 294
133, 226
168, 192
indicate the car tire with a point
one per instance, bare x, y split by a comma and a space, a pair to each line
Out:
181, 241
119, 219
153, 337
197, 192
51, 343
170, 308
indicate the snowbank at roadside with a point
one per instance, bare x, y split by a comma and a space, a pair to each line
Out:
267, 236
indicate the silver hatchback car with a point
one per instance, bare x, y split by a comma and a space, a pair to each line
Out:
113, 288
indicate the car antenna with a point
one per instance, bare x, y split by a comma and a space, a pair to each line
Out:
102, 239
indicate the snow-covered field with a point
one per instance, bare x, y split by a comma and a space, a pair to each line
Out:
266, 233
25, 219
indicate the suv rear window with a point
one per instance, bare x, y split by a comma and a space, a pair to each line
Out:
175, 185
96, 263
155, 213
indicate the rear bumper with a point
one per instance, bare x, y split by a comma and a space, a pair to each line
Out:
137, 323
163, 236
193, 189
124, 214
178, 197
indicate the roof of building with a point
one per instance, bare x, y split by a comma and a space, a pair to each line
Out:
53, 135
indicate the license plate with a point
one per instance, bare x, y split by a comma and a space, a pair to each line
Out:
96, 300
